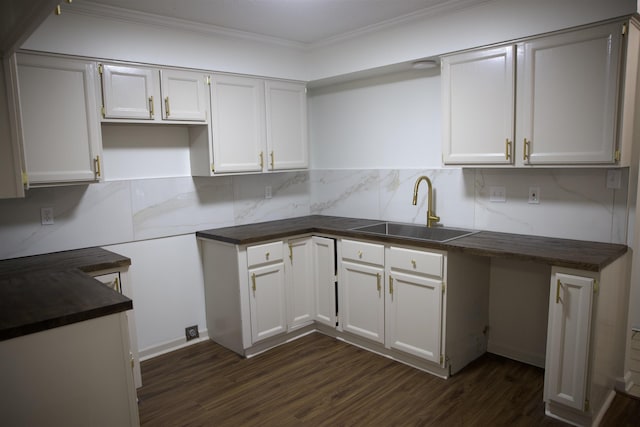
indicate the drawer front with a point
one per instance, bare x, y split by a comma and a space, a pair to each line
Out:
261, 254
363, 252
421, 262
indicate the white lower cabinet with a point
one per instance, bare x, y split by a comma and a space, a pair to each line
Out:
267, 291
414, 303
362, 295
324, 280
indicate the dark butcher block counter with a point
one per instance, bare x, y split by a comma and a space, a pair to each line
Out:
582, 255
42, 292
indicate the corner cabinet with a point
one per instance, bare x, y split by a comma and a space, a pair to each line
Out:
567, 90
59, 123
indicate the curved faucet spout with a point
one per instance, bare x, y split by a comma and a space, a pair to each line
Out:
432, 218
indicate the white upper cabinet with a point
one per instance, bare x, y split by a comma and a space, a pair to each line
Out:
58, 119
128, 92
184, 95
237, 110
286, 112
478, 95
569, 96
137, 93
567, 88
258, 125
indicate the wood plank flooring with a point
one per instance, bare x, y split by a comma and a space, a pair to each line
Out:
317, 380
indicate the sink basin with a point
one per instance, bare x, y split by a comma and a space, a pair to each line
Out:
414, 231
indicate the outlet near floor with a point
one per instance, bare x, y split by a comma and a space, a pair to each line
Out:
191, 332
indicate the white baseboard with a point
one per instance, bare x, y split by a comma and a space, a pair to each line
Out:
169, 346
625, 383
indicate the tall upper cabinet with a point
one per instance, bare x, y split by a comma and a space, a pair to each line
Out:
551, 100
58, 121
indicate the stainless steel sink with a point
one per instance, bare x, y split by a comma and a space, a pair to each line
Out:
415, 231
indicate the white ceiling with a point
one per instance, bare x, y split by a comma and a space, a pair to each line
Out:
301, 21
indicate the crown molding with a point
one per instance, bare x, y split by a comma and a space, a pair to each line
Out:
444, 7
96, 10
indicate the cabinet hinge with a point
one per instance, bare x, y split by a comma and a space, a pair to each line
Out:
103, 112
624, 29
443, 287
586, 405
213, 169
596, 286
441, 358
100, 69
617, 155
208, 80
25, 178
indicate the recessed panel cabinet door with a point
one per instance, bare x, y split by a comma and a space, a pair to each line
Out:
286, 112
128, 92
569, 327
568, 106
238, 124
59, 117
478, 97
324, 280
362, 303
300, 286
414, 315
267, 301
184, 95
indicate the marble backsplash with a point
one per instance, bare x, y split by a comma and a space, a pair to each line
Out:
574, 203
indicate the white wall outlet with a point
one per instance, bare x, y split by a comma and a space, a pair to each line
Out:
267, 192
46, 216
614, 177
534, 195
497, 194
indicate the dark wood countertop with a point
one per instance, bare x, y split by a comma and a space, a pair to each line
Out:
578, 254
42, 292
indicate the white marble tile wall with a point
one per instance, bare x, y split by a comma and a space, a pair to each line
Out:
126, 211
574, 203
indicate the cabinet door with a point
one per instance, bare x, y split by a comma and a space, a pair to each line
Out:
568, 105
286, 112
568, 340
267, 301
414, 316
362, 303
128, 92
184, 95
238, 124
300, 285
478, 96
59, 119
324, 280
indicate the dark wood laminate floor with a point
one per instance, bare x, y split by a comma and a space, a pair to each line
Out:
317, 380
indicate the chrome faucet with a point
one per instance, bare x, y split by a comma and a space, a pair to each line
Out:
431, 217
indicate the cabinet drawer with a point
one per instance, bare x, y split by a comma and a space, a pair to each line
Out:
416, 261
260, 254
363, 252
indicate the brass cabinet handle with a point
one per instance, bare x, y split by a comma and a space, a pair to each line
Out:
390, 285
266, 256
413, 262
526, 151
359, 254
291, 252
507, 149
378, 281
166, 106
272, 160
96, 163
253, 282
558, 292
261, 160
151, 109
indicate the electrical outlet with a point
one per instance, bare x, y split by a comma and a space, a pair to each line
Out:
46, 216
497, 194
534, 195
267, 192
191, 332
